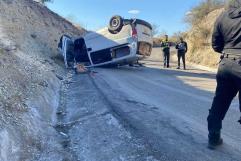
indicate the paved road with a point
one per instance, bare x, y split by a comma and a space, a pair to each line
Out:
145, 113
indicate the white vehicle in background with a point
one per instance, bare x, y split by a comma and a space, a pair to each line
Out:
125, 41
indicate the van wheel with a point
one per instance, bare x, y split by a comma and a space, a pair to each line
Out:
115, 24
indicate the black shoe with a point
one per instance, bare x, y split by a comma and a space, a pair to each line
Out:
214, 144
178, 67
239, 120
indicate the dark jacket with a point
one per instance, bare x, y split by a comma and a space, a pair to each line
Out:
165, 46
182, 47
227, 30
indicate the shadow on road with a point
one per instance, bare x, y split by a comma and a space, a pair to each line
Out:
172, 71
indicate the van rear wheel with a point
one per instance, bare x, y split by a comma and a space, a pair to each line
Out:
115, 24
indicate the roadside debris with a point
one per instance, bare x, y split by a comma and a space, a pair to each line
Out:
61, 113
64, 135
34, 36
80, 69
59, 77
43, 84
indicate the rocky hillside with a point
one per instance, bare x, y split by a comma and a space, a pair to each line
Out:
30, 76
199, 41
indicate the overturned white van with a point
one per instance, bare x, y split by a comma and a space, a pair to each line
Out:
125, 41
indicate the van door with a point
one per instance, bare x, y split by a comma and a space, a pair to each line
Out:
81, 51
99, 41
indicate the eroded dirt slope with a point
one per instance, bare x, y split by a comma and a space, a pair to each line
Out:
30, 77
199, 41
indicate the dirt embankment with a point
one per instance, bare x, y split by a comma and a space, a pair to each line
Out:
199, 41
29, 80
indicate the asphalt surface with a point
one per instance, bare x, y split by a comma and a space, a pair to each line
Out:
144, 113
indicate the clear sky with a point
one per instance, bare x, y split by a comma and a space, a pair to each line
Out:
94, 14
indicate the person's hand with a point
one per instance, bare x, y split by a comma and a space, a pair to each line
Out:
222, 56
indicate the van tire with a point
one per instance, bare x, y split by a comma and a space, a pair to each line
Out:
115, 24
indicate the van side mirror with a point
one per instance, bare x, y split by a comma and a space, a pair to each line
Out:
89, 49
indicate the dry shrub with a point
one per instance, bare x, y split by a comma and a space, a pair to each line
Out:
202, 20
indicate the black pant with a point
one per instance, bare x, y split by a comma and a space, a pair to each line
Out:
166, 58
239, 101
228, 85
181, 55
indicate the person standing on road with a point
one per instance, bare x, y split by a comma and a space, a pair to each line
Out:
226, 39
166, 51
181, 52
239, 96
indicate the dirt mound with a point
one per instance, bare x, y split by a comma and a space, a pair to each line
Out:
30, 70
199, 41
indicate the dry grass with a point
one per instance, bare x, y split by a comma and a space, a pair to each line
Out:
199, 41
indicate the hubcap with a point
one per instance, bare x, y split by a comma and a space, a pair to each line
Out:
115, 23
